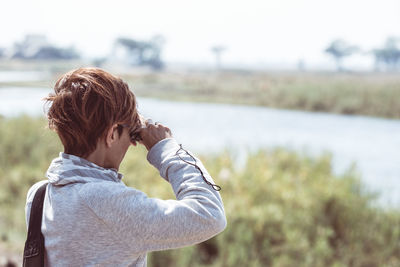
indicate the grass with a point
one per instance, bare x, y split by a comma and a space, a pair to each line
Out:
283, 208
370, 94
361, 94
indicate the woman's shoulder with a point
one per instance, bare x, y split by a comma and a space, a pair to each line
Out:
32, 191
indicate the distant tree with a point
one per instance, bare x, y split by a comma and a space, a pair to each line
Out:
37, 47
1, 52
51, 52
217, 51
98, 62
388, 55
339, 49
142, 52
301, 65
154, 57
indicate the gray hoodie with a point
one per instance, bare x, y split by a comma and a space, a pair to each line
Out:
91, 218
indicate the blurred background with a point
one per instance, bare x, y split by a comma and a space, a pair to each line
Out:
293, 106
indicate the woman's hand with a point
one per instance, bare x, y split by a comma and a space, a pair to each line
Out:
153, 133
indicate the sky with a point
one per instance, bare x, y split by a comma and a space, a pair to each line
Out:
255, 32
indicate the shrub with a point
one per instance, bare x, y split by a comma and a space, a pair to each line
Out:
283, 208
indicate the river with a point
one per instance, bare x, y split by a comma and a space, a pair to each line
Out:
373, 144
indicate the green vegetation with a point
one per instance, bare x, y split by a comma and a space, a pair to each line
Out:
283, 208
363, 94
371, 94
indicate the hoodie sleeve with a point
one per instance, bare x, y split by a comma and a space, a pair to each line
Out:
148, 224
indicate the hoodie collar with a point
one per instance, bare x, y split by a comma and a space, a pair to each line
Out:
69, 168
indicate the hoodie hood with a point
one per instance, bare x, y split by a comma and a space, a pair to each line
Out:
67, 169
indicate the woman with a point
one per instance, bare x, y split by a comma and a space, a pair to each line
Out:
90, 217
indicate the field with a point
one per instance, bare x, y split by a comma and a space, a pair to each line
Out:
370, 94
283, 208
362, 94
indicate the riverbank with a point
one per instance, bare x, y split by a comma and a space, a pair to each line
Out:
370, 94
284, 208
207, 127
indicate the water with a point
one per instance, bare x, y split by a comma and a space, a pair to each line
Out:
23, 76
371, 143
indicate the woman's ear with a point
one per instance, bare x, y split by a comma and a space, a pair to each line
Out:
111, 135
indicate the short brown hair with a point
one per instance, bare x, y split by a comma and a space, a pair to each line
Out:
86, 102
